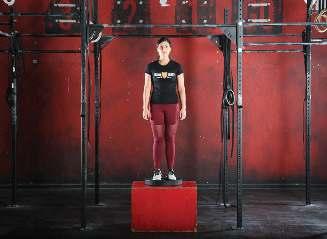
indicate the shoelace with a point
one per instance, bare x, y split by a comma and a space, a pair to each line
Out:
158, 172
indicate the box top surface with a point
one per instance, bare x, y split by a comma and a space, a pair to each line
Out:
185, 184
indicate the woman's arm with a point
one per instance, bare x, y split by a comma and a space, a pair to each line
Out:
182, 95
146, 96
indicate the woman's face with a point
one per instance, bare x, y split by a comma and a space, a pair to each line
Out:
164, 49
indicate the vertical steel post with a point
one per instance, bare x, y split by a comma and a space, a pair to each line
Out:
97, 94
84, 111
239, 42
308, 64
13, 105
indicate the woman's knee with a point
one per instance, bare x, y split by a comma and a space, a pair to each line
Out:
170, 138
158, 139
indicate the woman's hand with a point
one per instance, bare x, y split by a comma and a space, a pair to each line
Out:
146, 114
182, 114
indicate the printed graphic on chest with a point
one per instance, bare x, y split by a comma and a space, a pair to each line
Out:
164, 75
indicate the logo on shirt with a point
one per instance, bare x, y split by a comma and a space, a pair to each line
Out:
164, 75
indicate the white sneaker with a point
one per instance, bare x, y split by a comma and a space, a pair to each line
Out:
171, 175
157, 175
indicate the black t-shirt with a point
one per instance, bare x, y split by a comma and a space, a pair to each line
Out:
164, 81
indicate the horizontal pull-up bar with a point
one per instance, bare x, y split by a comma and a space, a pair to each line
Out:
114, 35
42, 51
48, 35
78, 51
163, 25
250, 24
270, 51
34, 14
274, 35
284, 43
159, 35
149, 35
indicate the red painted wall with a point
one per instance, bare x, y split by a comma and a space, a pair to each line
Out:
49, 107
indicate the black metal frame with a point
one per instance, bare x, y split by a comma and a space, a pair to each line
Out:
308, 66
12, 103
239, 147
84, 109
97, 103
231, 30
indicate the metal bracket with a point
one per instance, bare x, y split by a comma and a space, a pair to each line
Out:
239, 101
105, 40
230, 33
95, 33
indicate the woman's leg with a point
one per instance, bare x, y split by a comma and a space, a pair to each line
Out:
158, 129
158, 139
171, 120
170, 137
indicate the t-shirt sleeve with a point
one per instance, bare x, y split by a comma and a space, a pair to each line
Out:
179, 69
147, 69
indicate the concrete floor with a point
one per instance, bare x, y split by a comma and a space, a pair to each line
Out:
267, 213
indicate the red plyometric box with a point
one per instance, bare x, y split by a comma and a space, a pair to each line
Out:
164, 208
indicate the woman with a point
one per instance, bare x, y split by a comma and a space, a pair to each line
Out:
163, 78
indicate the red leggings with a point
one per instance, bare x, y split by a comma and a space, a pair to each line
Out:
164, 123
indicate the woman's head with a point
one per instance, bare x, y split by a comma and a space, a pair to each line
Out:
163, 47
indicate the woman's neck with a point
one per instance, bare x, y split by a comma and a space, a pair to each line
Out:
164, 60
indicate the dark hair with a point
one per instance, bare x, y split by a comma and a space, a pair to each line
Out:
162, 39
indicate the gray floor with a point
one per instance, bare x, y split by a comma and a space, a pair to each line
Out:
267, 213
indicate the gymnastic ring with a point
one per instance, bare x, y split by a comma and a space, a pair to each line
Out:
9, 2
95, 34
229, 97
95, 37
319, 19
